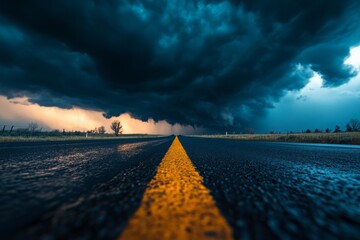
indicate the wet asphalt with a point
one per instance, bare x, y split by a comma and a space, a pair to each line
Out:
74, 190
272, 190
265, 190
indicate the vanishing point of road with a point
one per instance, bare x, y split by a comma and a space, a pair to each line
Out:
179, 188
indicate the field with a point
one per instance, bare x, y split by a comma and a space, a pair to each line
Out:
45, 137
333, 138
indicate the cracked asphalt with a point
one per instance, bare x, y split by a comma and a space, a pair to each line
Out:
264, 190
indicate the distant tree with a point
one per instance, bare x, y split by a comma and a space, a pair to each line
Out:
32, 127
337, 129
317, 130
355, 124
327, 130
308, 131
116, 127
11, 129
349, 128
3, 130
101, 130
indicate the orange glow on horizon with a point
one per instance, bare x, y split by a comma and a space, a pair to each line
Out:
20, 112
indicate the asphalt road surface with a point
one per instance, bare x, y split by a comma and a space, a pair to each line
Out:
282, 190
236, 189
79, 189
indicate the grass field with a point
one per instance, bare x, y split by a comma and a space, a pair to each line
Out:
333, 138
67, 138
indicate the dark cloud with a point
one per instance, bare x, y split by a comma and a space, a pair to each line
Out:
204, 63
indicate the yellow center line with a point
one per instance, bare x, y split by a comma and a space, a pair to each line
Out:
176, 205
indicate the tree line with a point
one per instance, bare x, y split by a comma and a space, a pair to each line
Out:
352, 126
34, 129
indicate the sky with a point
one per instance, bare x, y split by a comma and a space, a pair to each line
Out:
180, 66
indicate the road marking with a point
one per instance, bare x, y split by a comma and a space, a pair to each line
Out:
176, 205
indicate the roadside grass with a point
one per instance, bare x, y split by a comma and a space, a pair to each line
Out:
329, 138
36, 138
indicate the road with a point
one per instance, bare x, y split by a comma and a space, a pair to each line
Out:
215, 188
282, 190
74, 189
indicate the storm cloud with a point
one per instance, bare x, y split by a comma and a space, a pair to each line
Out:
203, 63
